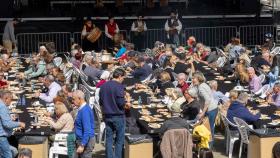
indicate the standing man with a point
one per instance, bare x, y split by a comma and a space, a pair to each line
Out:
112, 101
173, 26
6, 124
139, 27
111, 29
9, 39
84, 126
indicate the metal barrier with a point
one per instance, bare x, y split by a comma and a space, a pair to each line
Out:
29, 42
1, 36
254, 35
101, 41
212, 36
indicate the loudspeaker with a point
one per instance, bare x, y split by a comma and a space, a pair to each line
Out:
6, 9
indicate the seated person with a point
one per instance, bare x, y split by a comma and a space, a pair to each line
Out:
181, 66
3, 82
265, 60
177, 99
274, 96
254, 81
175, 122
164, 82
92, 70
6, 63
143, 70
182, 84
238, 109
105, 76
276, 150
192, 106
36, 69
64, 122
53, 87
218, 95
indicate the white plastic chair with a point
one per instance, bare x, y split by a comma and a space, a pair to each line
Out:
243, 129
263, 91
59, 146
262, 78
147, 79
231, 135
57, 61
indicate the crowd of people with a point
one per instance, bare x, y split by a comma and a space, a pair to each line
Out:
170, 70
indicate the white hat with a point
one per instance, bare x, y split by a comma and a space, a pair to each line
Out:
105, 75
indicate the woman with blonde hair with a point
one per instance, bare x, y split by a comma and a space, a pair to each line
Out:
164, 82
65, 122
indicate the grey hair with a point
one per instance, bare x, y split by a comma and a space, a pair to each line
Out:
25, 152
243, 98
5, 93
182, 75
193, 92
80, 94
277, 84
50, 78
200, 77
213, 83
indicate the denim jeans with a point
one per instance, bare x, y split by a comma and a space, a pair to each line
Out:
115, 124
212, 117
5, 151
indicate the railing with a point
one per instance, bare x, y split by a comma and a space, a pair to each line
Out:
253, 35
210, 36
30, 42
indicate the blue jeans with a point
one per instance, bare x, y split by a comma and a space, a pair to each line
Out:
5, 151
115, 124
212, 117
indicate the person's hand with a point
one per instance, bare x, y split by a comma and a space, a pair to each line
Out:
47, 114
80, 149
22, 125
36, 94
199, 116
221, 78
127, 105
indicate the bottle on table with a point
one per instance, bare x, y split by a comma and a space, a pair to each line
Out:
140, 100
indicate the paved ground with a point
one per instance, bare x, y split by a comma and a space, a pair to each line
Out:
219, 149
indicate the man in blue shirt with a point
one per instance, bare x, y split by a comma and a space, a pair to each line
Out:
84, 126
112, 101
6, 124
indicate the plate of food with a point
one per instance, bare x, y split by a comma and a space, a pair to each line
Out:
227, 82
160, 106
207, 68
264, 117
155, 100
154, 125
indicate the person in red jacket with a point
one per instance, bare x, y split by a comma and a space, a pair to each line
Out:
3, 82
111, 29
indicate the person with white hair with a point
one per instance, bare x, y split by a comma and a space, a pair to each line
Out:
53, 89
84, 126
238, 109
182, 84
92, 70
103, 78
218, 95
255, 83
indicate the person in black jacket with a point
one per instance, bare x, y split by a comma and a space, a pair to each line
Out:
192, 107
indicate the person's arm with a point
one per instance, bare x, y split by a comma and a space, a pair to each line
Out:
249, 117
275, 102
59, 124
166, 27
179, 27
84, 33
40, 71
107, 33
29, 71
86, 127
133, 28
6, 119
120, 100
145, 26
207, 100
117, 29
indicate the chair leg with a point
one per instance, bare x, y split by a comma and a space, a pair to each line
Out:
227, 143
240, 149
231, 145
